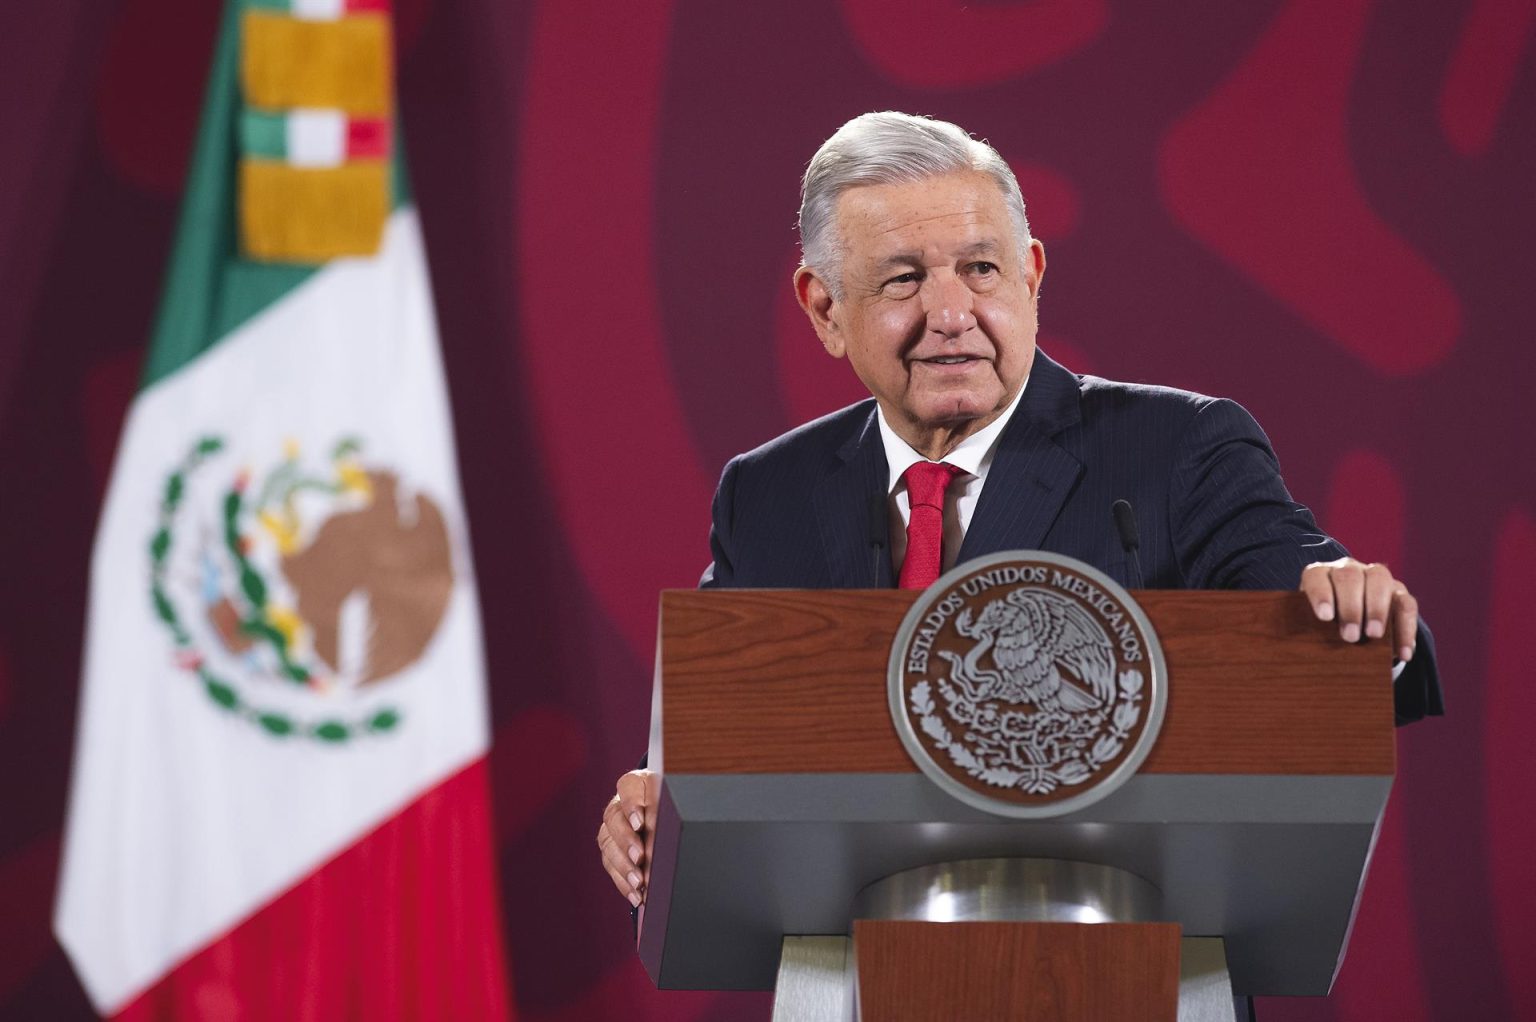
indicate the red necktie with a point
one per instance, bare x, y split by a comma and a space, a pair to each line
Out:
926, 483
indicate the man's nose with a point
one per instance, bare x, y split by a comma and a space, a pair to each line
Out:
949, 305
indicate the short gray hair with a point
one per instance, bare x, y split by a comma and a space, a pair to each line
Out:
889, 148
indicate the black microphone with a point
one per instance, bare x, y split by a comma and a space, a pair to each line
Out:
1125, 524
879, 529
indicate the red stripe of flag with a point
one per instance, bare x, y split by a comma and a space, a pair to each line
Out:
402, 926
368, 138
367, 6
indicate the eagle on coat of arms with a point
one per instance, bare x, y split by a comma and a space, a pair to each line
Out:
1047, 651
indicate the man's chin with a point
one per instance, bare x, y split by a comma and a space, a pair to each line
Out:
959, 413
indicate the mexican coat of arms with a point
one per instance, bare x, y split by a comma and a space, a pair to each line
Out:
1028, 684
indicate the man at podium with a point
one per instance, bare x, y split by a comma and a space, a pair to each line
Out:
920, 270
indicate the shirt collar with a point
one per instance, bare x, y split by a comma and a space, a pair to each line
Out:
968, 456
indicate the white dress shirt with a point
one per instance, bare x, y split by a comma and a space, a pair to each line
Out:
973, 456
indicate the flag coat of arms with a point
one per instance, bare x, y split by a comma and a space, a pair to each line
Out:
279, 806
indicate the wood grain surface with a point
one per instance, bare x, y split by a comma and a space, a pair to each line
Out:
1043, 972
794, 681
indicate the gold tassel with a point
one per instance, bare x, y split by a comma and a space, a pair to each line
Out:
310, 215
343, 64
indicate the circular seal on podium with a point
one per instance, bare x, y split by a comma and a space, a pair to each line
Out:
1027, 684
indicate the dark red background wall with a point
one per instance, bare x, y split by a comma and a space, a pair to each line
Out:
1322, 208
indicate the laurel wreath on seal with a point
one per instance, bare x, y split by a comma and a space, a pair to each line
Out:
1003, 735
329, 731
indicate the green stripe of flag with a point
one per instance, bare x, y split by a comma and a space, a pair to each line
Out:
210, 289
264, 134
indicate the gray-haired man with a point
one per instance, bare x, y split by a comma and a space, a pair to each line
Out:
921, 271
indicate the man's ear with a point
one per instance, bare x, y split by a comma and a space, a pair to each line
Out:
1034, 269
817, 301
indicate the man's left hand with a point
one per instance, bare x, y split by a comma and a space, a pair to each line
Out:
1365, 600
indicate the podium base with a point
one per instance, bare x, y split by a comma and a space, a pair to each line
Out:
1011, 890
1003, 938
817, 981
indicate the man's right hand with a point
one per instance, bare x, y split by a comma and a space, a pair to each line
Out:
629, 816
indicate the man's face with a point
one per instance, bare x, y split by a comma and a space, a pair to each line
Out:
938, 313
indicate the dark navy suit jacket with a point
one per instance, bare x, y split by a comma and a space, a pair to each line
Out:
807, 510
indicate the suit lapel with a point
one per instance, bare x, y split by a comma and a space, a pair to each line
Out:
843, 508
1031, 475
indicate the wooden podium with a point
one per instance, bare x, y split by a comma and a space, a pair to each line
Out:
787, 798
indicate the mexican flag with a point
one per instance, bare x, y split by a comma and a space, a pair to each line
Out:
280, 805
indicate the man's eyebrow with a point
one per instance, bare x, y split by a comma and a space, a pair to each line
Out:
891, 262
985, 247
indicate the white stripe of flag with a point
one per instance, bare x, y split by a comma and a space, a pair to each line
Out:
316, 138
